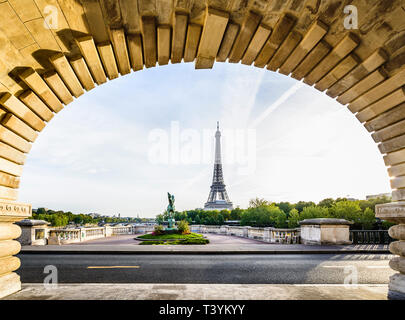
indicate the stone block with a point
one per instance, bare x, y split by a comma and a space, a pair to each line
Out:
9, 283
325, 231
398, 248
397, 287
398, 264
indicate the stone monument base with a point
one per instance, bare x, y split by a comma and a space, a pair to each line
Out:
324, 231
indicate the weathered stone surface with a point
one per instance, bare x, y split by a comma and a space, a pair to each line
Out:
9, 283
9, 248
9, 264
394, 211
398, 195
324, 231
9, 231
398, 264
325, 221
397, 287
13, 211
398, 247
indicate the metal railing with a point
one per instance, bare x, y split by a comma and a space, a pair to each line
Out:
370, 237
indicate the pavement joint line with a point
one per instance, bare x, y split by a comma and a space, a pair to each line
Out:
95, 284
113, 267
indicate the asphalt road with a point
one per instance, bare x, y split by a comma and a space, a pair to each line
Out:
220, 269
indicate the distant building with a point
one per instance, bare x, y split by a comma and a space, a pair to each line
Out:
380, 195
218, 198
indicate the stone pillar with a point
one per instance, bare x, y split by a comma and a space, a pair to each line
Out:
267, 234
395, 212
246, 232
325, 231
10, 212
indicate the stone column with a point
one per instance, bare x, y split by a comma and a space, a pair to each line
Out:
10, 212
395, 212
246, 232
267, 234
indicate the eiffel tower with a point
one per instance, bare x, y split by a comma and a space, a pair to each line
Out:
218, 198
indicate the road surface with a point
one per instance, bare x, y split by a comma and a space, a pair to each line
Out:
205, 269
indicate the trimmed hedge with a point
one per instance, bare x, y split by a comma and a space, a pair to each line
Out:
177, 242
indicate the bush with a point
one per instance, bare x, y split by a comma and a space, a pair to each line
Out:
177, 242
183, 227
159, 230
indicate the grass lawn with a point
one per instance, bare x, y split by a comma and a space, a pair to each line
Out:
174, 236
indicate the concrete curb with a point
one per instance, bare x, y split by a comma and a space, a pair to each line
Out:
205, 252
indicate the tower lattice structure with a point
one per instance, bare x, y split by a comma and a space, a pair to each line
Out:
218, 197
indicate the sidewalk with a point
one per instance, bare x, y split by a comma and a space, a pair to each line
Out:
109, 291
262, 248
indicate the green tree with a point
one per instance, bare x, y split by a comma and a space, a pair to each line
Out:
236, 213
294, 219
314, 212
349, 210
258, 202
159, 218
285, 206
328, 203
300, 205
367, 219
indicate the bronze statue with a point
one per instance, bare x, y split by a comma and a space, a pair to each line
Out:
170, 212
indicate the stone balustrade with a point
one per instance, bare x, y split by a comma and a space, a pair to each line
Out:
271, 235
143, 229
67, 236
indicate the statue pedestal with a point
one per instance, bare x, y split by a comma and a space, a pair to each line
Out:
10, 212
395, 212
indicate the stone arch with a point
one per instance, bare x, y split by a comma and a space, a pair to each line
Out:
53, 51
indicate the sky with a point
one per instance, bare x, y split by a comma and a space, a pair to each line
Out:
121, 147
